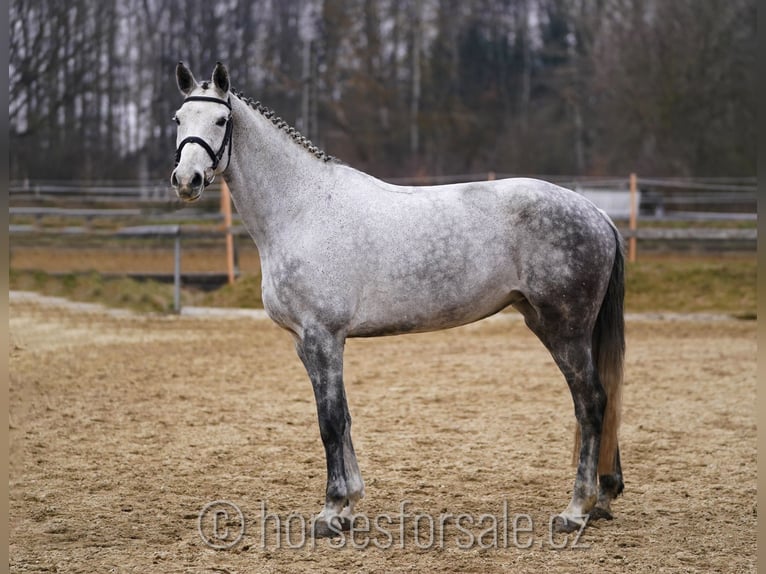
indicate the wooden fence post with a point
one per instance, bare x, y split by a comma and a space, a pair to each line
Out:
226, 210
633, 224
177, 270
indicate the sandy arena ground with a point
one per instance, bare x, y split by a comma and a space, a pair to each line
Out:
123, 427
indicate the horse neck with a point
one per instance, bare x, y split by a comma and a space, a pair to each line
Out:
271, 177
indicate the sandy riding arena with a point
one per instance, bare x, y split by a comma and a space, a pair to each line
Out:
126, 429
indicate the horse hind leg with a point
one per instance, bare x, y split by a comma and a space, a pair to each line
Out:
573, 358
570, 346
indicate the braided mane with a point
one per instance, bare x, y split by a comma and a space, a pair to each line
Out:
287, 128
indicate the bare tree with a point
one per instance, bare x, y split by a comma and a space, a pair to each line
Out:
395, 86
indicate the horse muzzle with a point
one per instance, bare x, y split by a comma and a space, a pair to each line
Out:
188, 189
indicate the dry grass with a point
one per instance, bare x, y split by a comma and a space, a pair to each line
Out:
722, 285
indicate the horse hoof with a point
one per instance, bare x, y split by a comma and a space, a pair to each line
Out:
600, 514
565, 525
322, 529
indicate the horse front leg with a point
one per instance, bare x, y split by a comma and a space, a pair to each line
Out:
322, 354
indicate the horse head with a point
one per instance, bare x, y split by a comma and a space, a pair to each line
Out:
204, 131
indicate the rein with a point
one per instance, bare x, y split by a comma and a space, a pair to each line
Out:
214, 156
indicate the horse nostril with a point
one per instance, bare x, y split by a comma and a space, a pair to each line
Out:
174, 179
196, 180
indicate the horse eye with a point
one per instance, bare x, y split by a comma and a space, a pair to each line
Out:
220, 122
176, 120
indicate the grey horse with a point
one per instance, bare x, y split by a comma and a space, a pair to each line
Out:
344, 254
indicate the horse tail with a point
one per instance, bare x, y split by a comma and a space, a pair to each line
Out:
608, 351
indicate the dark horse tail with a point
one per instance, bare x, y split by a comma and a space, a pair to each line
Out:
608, 350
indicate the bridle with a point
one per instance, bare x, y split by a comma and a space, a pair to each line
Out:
214, 156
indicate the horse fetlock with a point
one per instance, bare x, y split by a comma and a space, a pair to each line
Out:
581, 504
610, 486
355, 487
337, 492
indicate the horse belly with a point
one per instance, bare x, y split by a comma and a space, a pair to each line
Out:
433, 298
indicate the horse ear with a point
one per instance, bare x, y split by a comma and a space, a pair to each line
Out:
221, 77
185, 79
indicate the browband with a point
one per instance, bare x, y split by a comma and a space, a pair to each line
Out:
226, 103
